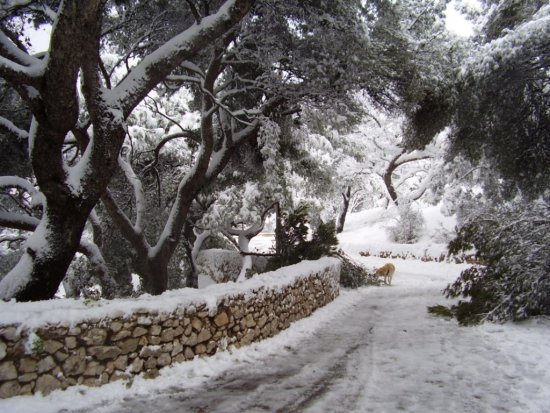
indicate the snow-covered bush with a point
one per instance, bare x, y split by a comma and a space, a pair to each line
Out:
514, 242
224, 265
408, 226
353, 274
218, 264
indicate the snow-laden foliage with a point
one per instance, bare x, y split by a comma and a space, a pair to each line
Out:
245, 190
503, 112
408, 225
364, 164
249, 69
513, 242
501, 134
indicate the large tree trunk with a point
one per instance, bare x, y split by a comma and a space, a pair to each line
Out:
246, 265
341, 220
50, 250
154, 274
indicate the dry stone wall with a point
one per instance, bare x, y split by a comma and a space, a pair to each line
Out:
99, 349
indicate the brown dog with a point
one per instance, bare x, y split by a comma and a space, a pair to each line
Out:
386, 272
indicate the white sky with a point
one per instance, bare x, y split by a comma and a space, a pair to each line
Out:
40, 38
456, 22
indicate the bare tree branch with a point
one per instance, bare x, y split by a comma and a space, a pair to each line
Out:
155, 108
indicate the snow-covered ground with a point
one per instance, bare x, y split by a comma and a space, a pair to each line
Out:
372, 350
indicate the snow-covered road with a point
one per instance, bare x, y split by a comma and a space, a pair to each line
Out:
372, 350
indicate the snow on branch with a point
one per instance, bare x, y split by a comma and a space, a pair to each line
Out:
413, 156
532, 35
21, 183
199, 240
18, 221
88, 248
12, 239
192, 67
422, 187
16, 64
155, 67
10, 51
411, 175
183, 79
20, 74
10, 6
253, 229
9, 126
136, 184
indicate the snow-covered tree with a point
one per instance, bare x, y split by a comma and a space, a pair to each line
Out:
503, 111
501, 127
49, 84
381, 168
274, 62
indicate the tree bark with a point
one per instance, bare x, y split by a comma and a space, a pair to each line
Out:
341, 220
154, 274
392, 166
50, 250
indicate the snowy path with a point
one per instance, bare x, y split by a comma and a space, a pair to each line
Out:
375, 350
